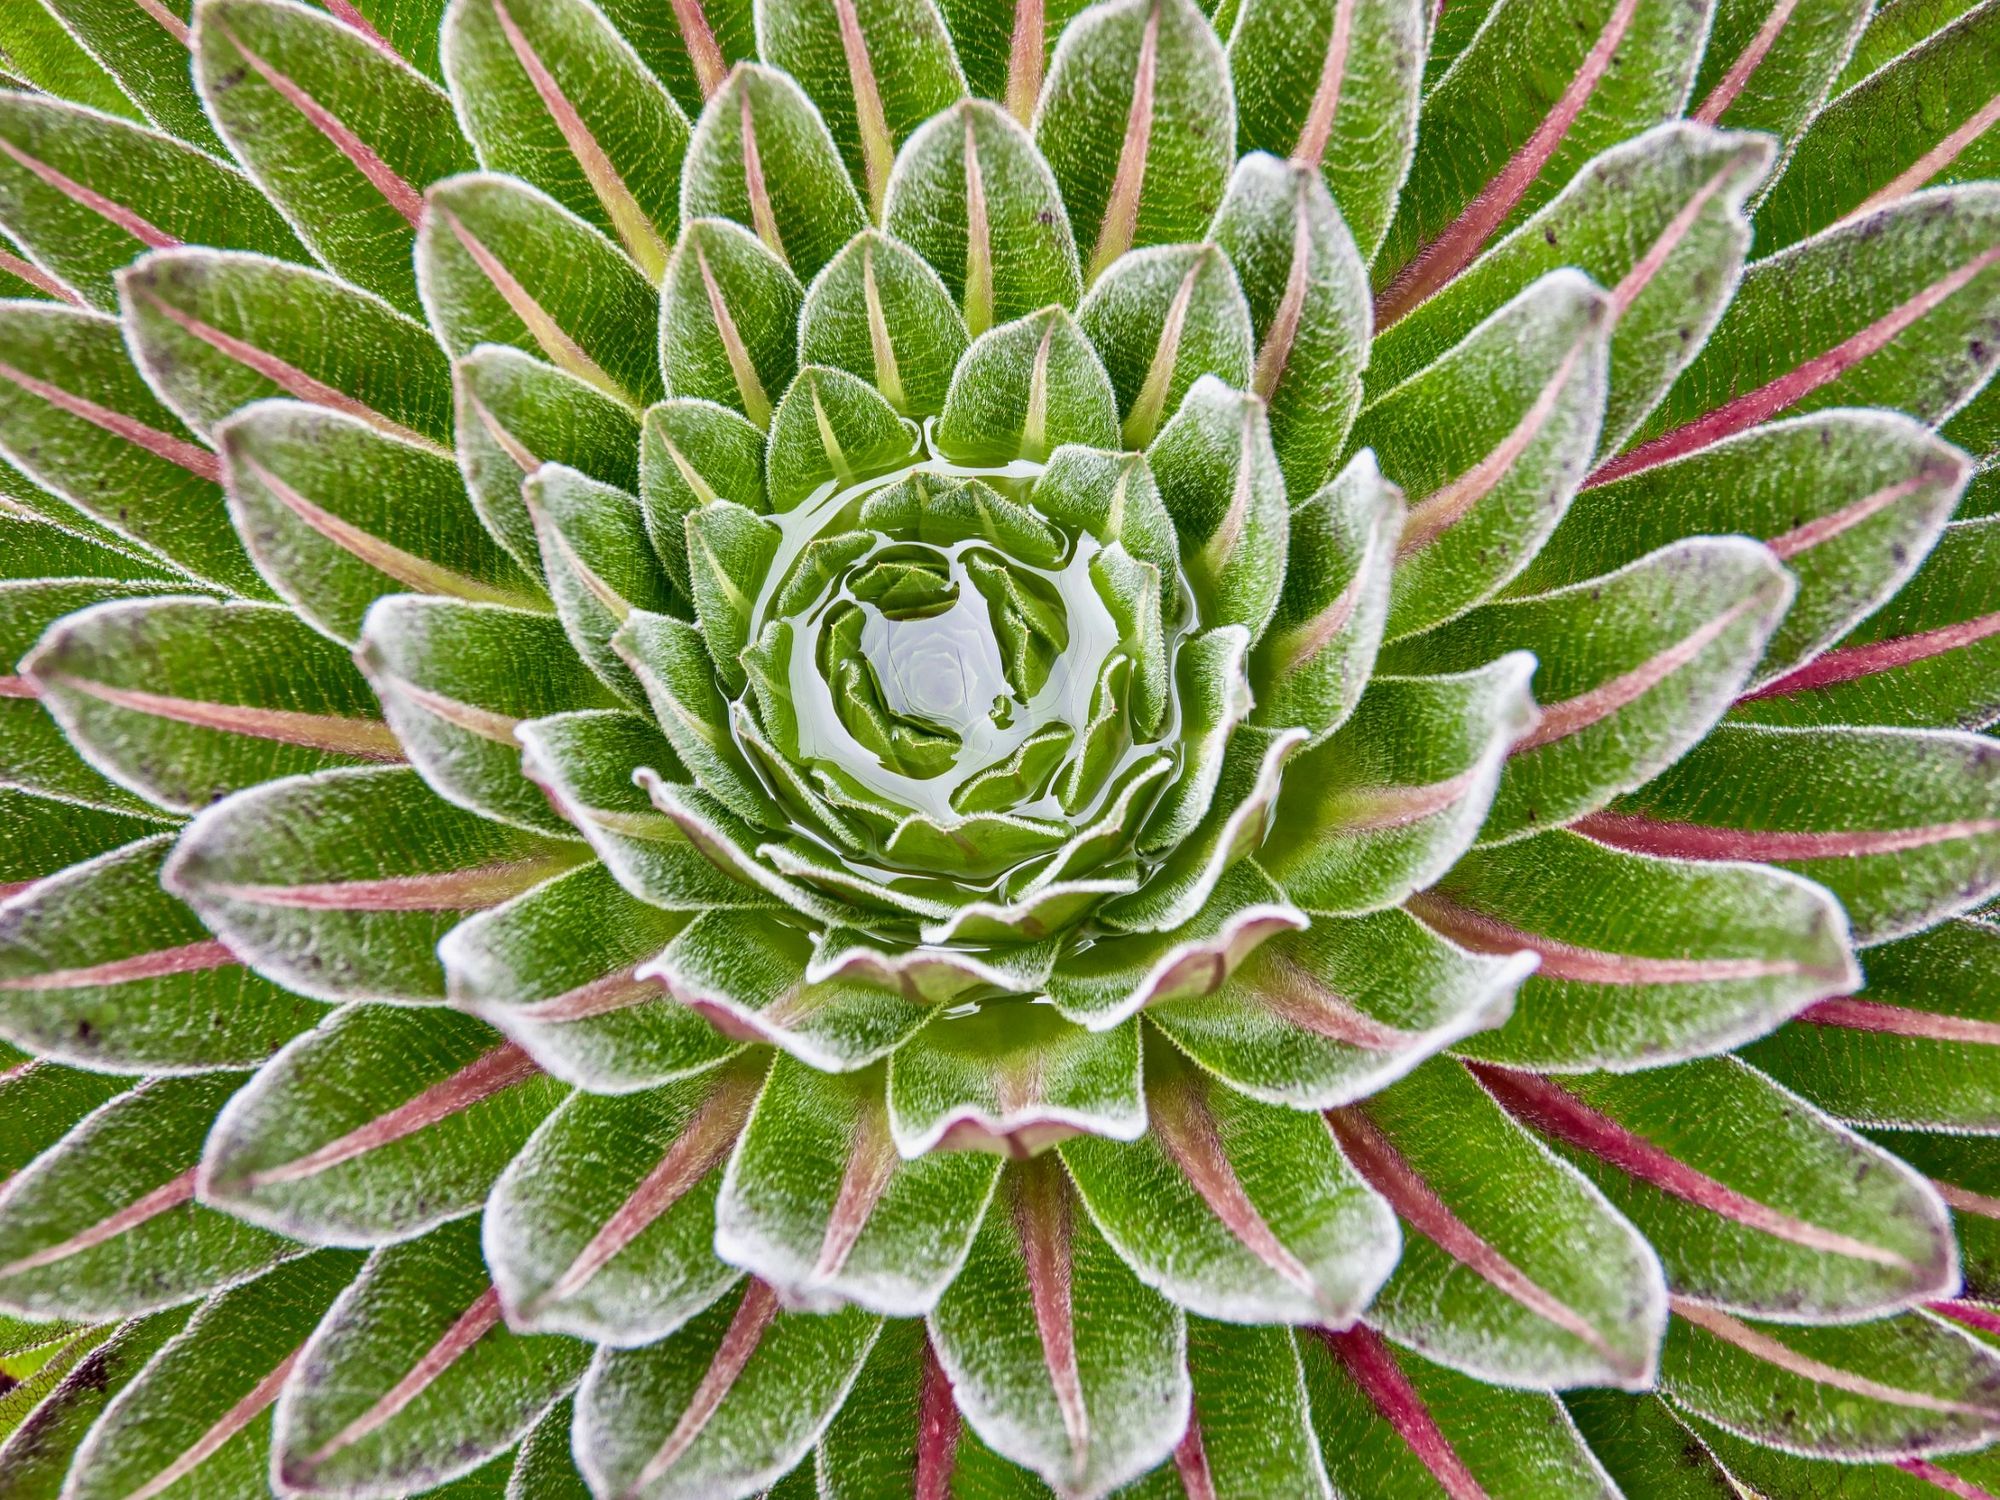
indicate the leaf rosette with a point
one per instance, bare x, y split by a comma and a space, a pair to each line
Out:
866, 748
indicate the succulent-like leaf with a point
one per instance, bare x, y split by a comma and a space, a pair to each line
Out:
105, 1223
724, 1406
385, 1405
1925, 1020
1138, 123
499, 262
376, 1126
337, 515
1025, 389
1395, 1420
215, 330
339, 132
1620, 983
549, 91
1896, 823
1489, 442
1308, 296
621, 1257
1495, 1277
1634, 668
1058, 1355
557, 970
198, 1413
761, 156
101, 968
1386, 804
339, 885
972, 195
877, 310
83, 194
1756, 1202
817, 1202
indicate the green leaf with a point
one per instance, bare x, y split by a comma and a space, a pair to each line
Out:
832, 428
394, 1404
674, 666
1138, 123
555, 969
516, 414
728, 314
1922, 120
972, 195
44, 1102
690, 50
215, 330
1648, 1449
817, 1202
1329, 1015
755, 975
604, 1226
105, 1224
44, 1446
1898, 824
550, 92
877, 71
586, 763
1643, 961
1756, 1202
1514, 1268
1859, 1391
377, 1126
1308, 296
1160, 318
1490, 441
500, 262
336, 516
147, 55
1013, 1077
455, 679
187, 700
1391, 799
1220, 481
1058, 1355
1888, 310
1235, 1209
1634, 669
78, 420
46, 834
761, 156
1316, 657
692, 453
42, 53
196, 1415
730, 551
82, 194
1767, 69
544, 1470
1849, 500
1773, 1470
1025, 389
35, 753
340, 133
599, 567
339, 885
1926, 659
102, 969
877, 310
1353, 116
1497, 138
726, 1405
1659, 220
1392, 1423
1912, 1049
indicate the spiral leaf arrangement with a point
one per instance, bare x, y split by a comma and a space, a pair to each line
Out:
931, 748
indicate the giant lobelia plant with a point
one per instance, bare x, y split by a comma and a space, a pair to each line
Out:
869, 748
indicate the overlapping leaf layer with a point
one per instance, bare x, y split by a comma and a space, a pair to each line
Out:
929, 748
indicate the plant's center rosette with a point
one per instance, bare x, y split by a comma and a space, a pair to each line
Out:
956, 686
